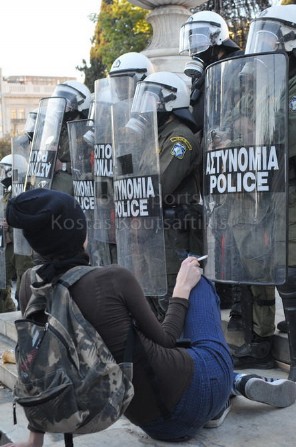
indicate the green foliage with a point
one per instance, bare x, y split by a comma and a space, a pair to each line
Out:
5, 147
120, 28
96, 70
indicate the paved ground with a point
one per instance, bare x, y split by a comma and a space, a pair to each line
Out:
249, 424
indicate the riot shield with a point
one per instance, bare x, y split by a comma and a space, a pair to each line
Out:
103, 164
137, 197
2, 240
82, 160
103, 173
45, 143
20, 158
245, 168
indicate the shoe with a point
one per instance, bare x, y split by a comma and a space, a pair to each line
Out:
276, 392
253, 355
251, 362
283, 327
219, 419
235, 323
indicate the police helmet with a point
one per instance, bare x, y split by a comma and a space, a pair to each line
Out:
203, 30
127, 70
162, 91
132, 64
9, 162
274, 29
77, 95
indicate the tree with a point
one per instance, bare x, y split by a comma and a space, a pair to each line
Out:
120, 28
5, 146
96, 70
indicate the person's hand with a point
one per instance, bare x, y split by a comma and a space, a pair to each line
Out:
188, 276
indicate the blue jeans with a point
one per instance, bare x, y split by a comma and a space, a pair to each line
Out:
212, 379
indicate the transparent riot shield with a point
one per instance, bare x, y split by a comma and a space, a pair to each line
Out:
45, 143
103, 172
20, 149
2, 240
245, 168
137, 197
82, 161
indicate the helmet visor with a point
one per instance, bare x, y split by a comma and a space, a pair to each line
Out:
123, 85
146, 98
152, 97
196, 37
264, 36
73, 97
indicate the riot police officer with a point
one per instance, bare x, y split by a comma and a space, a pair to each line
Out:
180, 167
78, 99
119, 87
205, 37
13, 265
274, 30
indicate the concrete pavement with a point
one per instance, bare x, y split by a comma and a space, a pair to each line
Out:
248, 424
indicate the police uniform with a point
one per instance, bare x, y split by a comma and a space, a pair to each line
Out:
15, 265
264, 315
292, 172
230, 294
180, 175
253, 306
288, 290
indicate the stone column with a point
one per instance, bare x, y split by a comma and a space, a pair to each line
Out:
166, 18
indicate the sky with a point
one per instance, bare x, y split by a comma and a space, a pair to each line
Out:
45, 38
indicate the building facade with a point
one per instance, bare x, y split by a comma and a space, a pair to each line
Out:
20, 95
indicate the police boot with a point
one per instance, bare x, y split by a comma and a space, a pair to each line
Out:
282, 326
256, 351
235, 321
255, 354
225, 294
246, 301
288, 294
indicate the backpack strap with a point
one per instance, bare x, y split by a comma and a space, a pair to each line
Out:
130, 343
68, 279
38, 300
74, 274
68, 438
